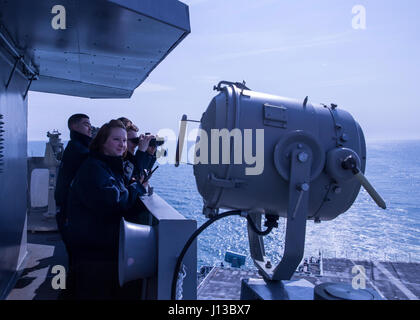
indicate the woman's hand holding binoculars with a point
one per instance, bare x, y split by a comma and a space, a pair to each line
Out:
144, 141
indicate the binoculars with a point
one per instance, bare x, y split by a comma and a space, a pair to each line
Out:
152, 143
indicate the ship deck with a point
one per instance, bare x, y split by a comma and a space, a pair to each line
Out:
392, 280
45, 250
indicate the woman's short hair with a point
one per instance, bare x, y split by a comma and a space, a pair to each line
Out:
129, 125
104, 132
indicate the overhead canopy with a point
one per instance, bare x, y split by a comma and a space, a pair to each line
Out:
107, 49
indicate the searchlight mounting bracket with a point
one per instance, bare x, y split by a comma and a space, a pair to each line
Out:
297, 212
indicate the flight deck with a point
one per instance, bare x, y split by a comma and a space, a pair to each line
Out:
391, 280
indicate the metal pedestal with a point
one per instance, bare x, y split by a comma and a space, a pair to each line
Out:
258, 289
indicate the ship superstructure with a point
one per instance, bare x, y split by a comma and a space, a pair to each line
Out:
92, 49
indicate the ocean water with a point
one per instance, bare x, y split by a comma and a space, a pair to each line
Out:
363, 232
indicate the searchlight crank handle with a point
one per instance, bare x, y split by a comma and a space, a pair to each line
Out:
350, 163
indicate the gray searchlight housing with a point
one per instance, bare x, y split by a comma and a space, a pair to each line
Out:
295, 159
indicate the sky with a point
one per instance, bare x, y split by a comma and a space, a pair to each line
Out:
282, 47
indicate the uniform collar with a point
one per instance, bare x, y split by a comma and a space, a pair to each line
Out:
114, 162
83, 139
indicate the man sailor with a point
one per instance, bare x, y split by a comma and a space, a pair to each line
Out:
76, 152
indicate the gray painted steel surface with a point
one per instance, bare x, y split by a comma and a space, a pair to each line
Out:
13, 183
137, 256
298, 171
107, 49
326, 134
172, 232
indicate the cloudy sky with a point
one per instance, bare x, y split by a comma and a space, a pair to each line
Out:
283, 47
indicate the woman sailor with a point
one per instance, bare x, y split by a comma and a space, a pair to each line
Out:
98, 199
